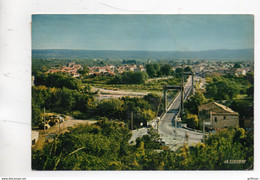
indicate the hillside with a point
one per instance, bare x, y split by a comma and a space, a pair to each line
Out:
221, 54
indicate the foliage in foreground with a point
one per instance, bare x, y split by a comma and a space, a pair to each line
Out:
104, 146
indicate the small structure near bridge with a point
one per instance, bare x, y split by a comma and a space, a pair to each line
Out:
218, 116
35, 137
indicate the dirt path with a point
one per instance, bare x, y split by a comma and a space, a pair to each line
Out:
106, 93
159, 78
120, 92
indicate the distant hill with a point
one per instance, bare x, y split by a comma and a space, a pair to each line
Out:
221, 54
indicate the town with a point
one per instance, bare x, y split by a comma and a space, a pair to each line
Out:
175, 124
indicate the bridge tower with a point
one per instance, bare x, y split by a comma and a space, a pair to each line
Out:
181, 88
165, 94
193, 84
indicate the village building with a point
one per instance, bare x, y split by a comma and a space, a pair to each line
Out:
34, 137
240, 71
197, 69
218, 116
71, 69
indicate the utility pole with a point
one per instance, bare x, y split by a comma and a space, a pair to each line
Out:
175, 119
132, 120
204, 131
193, 90
182, 95
165, 99
44, 120
59, 125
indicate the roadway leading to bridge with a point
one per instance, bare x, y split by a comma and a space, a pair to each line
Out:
167, 128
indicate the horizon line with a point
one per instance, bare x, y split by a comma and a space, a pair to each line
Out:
143, 50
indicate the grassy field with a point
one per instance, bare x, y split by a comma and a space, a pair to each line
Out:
151, 86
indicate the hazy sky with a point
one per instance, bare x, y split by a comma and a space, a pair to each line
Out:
143, 32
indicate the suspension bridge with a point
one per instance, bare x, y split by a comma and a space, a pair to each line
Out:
171, 133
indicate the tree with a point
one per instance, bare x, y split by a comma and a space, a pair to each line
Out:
36, 115
179, 72
111, 108
166, 70
151, 70
145, 115
237, 65
156, 67
245, 108
191, 120
188, 69
250, 91
84, 71
155, 101
58, 80
194, 102
130, 78
221, 89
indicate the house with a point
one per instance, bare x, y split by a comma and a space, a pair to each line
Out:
218, 116
34, 137
71, 69
197, 69
240, 71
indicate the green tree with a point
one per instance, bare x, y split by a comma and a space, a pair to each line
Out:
178, 72
250, 91
194, 102
111, 108
151, 71
188, 69
221, 89
237, 65
84, 71
245, 108
58, 80
130, 78
191, 120
145, 115
36, 115
166, 69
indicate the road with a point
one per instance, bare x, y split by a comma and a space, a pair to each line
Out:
167, 129
138, 133
106, 93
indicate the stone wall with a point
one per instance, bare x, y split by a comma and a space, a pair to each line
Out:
220, 121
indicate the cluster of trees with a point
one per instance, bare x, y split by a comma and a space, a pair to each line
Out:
244, 107
144, 109
104, 146
58, 80
84, 71
130, 78
218, 152
61, 93
83, 105
228, 87
191, 109
194, 102
59, 100
222, 89
179, 71
65, 94
158, 70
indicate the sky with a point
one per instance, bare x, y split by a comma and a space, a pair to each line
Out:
143, 32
